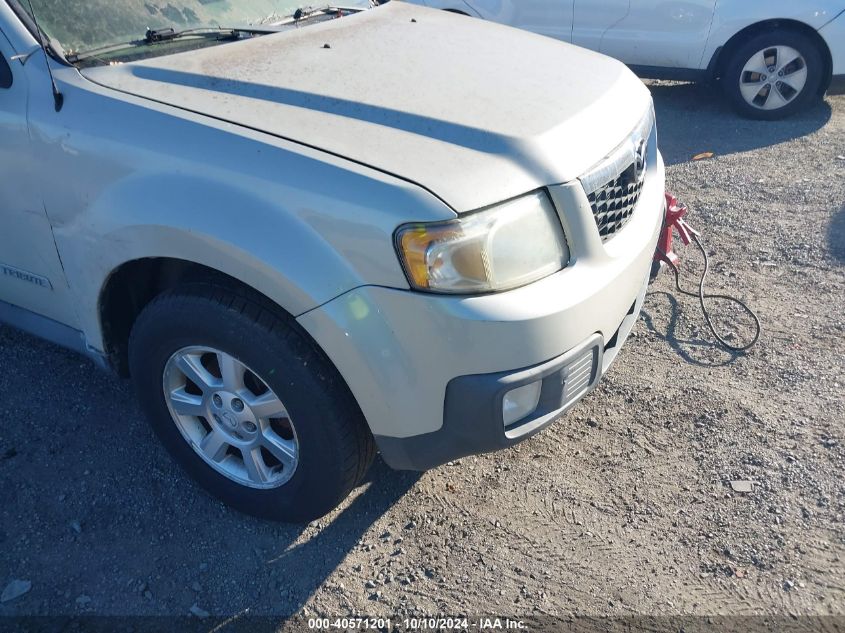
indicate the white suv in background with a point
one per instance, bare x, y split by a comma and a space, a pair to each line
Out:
772, 58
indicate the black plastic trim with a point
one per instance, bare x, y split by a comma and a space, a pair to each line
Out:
670, 73
712, 71
6, 77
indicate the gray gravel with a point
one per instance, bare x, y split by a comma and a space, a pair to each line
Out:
624, 506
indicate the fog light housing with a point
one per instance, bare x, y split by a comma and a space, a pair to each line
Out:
521, 402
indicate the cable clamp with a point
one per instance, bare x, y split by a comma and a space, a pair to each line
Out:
675, 212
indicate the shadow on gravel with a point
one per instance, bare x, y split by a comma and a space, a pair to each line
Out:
693, 351
316, 559
836, 235
694, 118
98, 518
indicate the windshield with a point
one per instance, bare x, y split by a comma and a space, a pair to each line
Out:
80, 25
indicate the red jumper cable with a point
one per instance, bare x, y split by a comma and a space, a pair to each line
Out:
674, 222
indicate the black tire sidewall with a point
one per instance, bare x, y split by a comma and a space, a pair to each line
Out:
287, 364
779, 37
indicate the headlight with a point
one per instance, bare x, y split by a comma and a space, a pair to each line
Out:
509, 245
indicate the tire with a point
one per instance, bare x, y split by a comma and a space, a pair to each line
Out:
326, 447
778, 96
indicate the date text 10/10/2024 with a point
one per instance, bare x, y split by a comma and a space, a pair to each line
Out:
416, 624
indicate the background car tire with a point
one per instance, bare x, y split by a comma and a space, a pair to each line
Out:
737, 73
335, 447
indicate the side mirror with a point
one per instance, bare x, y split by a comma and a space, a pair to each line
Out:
5, 73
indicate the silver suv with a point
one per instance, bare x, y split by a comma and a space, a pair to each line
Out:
308, 235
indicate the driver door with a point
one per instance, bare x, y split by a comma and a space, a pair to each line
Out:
646, 33
546, 17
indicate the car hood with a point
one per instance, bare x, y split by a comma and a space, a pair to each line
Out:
472, 111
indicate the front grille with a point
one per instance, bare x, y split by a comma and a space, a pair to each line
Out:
614, 203
614, 185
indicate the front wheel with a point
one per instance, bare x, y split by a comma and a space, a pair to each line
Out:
774, 74
246, 404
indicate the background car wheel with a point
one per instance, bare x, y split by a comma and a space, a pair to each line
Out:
247, 405
774, 74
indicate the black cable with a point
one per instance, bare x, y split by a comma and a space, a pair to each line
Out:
702, 296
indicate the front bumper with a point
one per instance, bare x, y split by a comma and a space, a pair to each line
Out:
472, 419
428, 371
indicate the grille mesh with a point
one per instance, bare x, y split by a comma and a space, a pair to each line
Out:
614, 203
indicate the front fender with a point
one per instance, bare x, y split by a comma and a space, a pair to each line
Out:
277, 251
137, 179
732, 16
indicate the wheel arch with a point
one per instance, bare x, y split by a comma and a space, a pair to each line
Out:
193, 225
723, 54
131, 287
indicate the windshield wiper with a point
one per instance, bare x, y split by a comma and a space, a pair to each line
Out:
158, 36
154, 36
304, 14
162, 35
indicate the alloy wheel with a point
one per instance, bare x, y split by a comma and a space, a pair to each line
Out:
230, 417
773, 77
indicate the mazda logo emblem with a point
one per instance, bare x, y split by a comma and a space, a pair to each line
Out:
229, 419
639, 161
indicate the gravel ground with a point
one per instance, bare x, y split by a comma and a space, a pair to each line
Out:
623, 507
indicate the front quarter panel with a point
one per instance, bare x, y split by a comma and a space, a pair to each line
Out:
135, 179
732, 16
834, 34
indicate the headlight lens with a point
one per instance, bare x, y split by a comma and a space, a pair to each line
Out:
506, 246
